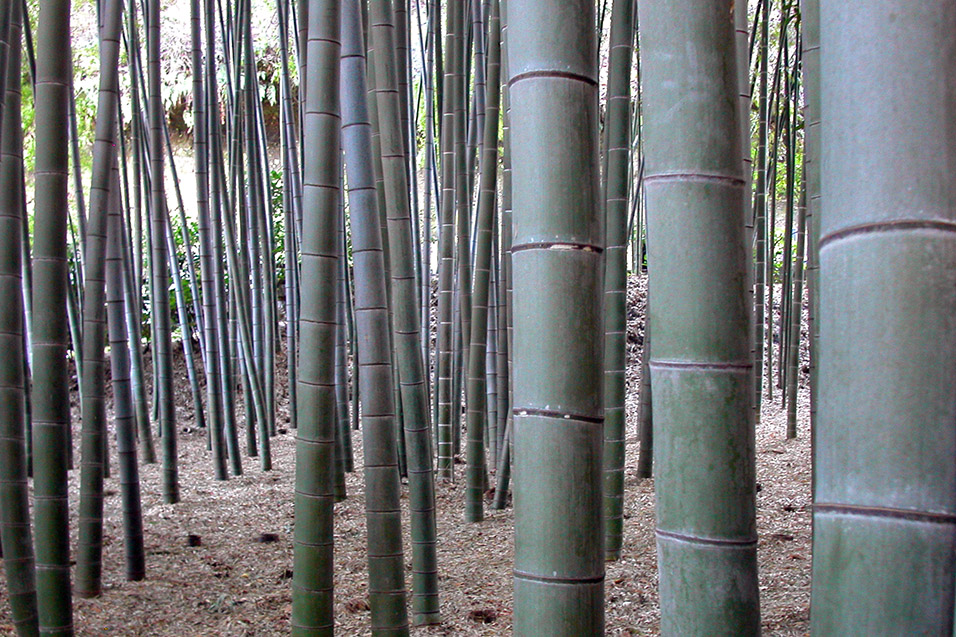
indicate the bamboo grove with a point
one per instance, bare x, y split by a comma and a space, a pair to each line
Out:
428, 215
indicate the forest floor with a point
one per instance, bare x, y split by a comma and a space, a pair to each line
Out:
237, 581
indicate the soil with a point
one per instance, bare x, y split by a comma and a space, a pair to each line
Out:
219, 563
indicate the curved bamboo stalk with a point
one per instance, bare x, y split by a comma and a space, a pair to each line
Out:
885, 492
701, 360
558, 348
291, 201
134, 328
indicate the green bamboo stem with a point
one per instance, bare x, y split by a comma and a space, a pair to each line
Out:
503, 473
159, 265
502, 373
615, 192
462, 200
93, 457
791, 147
133, 52
745, 104
885, 492
291, 202
558, 318
810, 11
476, 398
134, 327
701, 360
15, 533
210, 319
312, 609
793, 355
382, 194
414, 392
343, 445
218, 202
645, 420
51, 390
256, 218
774, 110
507, 426
446, 246
372, 329
428, 69
491, 359
760, 212
246, 346
122, 394
342, 339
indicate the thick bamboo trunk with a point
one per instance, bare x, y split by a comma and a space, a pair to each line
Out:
15, 532
885, 492
51, 388
312, 609
559, 321
701, 359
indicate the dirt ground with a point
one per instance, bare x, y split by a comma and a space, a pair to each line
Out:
236, 584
